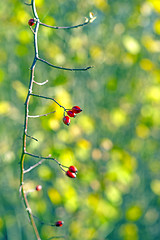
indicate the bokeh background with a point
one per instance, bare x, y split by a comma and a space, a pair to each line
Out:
114, 142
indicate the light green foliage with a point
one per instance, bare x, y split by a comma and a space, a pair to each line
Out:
114, 142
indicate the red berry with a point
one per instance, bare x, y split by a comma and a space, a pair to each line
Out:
76, 109
73, 169
66, 120
70, 174
71, 113
38, 188
59, 223
31, 22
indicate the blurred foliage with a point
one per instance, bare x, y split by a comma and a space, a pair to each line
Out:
114, 142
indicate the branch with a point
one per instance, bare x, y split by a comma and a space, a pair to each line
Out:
56, 237
22, 191
64, 68
34, 166
48, 224
40, 96
31, 137
40, 83
87, 21
28, 4
37, 156
67, 27
45, 158
42, 115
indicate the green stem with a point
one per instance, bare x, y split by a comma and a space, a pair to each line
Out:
24, 197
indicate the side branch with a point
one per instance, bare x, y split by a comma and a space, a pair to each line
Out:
40, 96
42, 115
32, 137
67, 27
34, 166
64, 68
40, 84
45, 158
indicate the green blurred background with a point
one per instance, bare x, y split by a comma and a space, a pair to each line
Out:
114, 142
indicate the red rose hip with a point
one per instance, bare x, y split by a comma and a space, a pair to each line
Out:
70, 174
38, 188
73, 169
66, 120
71, 113
59, 223
76, 109
31, 22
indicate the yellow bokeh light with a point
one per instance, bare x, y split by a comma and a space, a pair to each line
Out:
54, 196
155, 186
101, 4
44, 172
118, 117
83, 143
129, 231
155, 4
153, 93
157, 26
131, 44
146, 64
134, 213
142, 131
4, 107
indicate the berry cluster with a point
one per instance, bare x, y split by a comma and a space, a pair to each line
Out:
72, 172
71, 113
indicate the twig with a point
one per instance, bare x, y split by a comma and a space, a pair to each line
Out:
34, 166
28, 4
42, 115
56, 237
32, 137
64, 68
40, 83
48, 158
48, 224
67, 27
40, 96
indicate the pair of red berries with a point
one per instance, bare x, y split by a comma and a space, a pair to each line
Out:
71, 113
31, 22
72, 172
